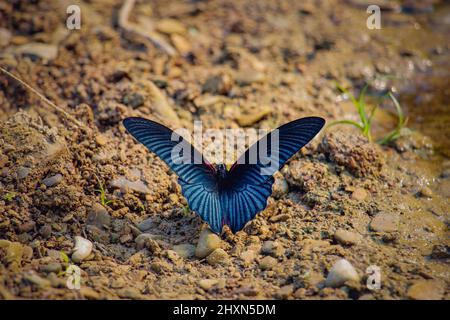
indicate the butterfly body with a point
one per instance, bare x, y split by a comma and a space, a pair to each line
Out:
221, 196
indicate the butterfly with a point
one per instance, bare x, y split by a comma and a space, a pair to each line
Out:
218, 195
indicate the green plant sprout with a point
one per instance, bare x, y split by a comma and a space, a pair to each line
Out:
101, 190
65, 259
401, 123
365, 123
9, 196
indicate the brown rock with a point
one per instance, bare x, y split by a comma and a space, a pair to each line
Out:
346, 237
267, 263
426, 290
218, 257
359, 194
384, 222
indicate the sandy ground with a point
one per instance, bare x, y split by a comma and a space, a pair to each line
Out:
230, 64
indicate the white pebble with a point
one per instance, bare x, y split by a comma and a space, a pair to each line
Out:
83, 248
341, 272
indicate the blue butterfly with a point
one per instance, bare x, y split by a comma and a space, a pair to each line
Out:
220, 196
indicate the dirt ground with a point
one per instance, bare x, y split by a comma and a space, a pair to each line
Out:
230, 64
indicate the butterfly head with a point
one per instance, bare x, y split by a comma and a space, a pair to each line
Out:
221, 170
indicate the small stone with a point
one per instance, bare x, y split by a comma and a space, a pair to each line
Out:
341, 272
97, 234
53, 180
22, 172
285, 291
273, 248
426, 192
83, 248
346, 237
220, 84
170, 26
185, 250
426, 290
27, 226
207, 284
14, 253
134, 100
101, 140
280, 187
124, 185
247, 77
384, 222
207, 243
267, 263
181, 44
247, 120
41, 50
51, 267
99, 216
248, 256
147, 240
45, 231
359, 194
218, 257
145, 225
129, 293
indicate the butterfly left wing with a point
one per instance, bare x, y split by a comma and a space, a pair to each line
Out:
250, 179
197, 178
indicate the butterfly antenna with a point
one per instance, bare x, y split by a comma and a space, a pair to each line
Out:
42, 97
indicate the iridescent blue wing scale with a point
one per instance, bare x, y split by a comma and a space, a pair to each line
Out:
197, 180
250, 185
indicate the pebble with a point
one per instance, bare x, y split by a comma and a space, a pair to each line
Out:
207, 284
101, 140
248, 256
83, 248
267, 263
42, 50
181, 44
246, 120
45, 231
346, 237
134, 100
359, 194
384, 222
22, 172
99, 216
14, 253
185, 250
426, 290
341, 272
273, 248
218, 257
147, 240
220, 84
280, 187
207, 243
285, 291
145, 225
124, 184
426, 192
53, 180
129, 293
51, 267
170, 26
27, 226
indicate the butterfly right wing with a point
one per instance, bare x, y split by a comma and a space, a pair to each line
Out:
197, 180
